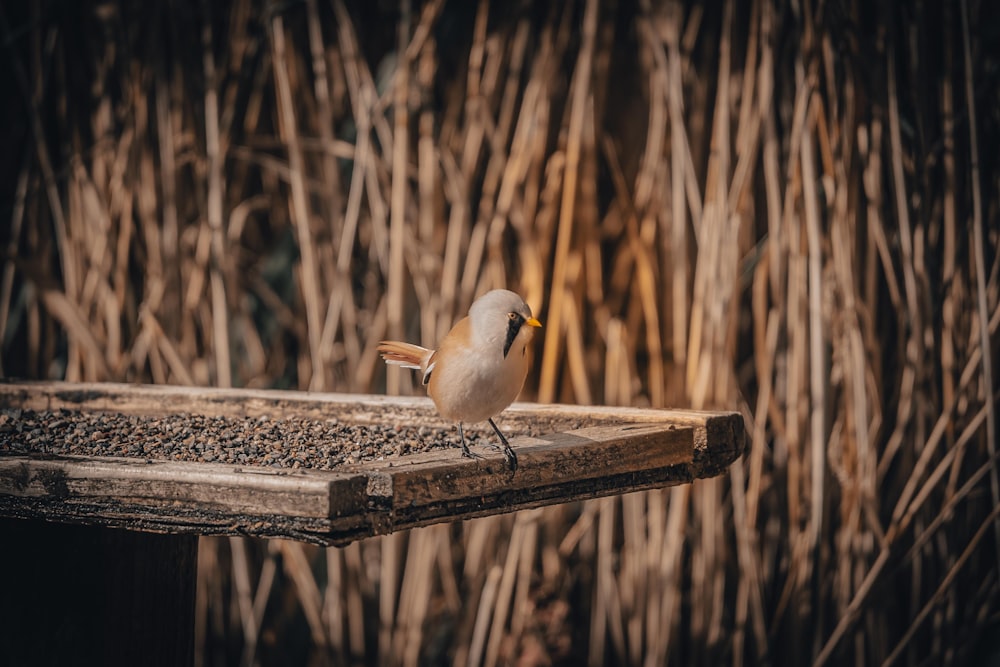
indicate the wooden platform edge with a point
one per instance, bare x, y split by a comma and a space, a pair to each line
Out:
654, 449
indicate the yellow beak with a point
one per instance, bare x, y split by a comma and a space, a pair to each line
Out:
532, 322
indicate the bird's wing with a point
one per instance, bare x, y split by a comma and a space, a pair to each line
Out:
454, 345
431, 362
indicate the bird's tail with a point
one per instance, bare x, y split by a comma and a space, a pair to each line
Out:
406, 355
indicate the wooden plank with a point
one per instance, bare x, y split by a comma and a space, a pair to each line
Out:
164, 483
618, 451
559, 467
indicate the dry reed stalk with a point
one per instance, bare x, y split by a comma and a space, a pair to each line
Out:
397, 222
166, 350
244, 595
713, 282
17, 220
507, 169
900, 519
575, 348
390, 567
859, 460
455, 192
414, 597
604, 619
68, 314
945, 583
429, 202
748, 125
579, 90
646, 275
505, 592
633, 575
457, 188
522, 606
67, 258
354, 600
299, 208
793, 313
220, 308
334, 607
680, 147
928, 531
900, 522
979, 255
241, 48
817, 344
913, 345
299, 570
487, 230
616, 374
265, 585
341, 305
656, 533
747, 542
528, 160
446, 569
670, 572
481, 268
369, 356
473, 655
749, 585
330, 174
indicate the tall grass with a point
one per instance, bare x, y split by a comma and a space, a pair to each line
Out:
786, 209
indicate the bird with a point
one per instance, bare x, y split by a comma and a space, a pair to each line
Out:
479, 367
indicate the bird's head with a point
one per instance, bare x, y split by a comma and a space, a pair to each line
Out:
502, 316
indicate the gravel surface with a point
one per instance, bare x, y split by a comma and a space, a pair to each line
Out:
287, 442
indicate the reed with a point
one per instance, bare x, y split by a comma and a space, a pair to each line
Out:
785, 209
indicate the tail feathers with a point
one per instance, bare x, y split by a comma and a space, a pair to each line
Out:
406, 355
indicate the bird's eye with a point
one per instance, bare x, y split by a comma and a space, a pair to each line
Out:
512, 316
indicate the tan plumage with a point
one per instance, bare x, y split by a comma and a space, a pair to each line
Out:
479, 367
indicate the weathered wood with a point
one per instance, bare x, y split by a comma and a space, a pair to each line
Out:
86, 595
620, 450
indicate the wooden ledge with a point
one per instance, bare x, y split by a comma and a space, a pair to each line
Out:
617, 450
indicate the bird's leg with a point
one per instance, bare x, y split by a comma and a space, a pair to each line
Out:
466, 452
508, 453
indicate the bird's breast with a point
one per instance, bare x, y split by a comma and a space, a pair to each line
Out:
470, 387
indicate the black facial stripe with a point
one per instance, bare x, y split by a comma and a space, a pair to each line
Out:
514, 325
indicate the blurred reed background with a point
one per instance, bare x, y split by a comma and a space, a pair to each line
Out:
789, 209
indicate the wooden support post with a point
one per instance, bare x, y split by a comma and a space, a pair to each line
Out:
90, 595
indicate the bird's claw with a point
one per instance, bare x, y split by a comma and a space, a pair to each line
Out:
469, 454
508, 454
511, 458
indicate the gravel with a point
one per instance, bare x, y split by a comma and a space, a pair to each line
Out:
287, 442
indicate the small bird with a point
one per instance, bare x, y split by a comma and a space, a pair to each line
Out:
479, 367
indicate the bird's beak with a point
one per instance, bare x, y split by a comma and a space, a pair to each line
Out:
532, 322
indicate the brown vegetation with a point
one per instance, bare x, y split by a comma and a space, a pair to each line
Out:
787, 209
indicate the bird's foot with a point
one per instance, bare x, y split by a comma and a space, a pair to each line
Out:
508, 453
466, 452
469, 454
510, 457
